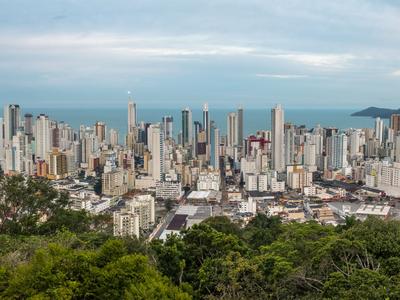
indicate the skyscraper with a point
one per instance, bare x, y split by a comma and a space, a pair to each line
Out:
197, 129
379, 129
289, 144
240, 126
278, 158
100, 131
11, 121
395, 123
206, 122
42, 136
131, 115
232, 129
168, 126
1, 142
28, 124
214, 146
157, 151
338, 153
186, 127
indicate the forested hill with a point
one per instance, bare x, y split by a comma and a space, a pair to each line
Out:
213, 260
375, 112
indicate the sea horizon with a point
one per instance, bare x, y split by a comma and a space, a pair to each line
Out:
254, 119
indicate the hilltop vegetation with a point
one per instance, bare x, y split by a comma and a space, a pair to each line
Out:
212, 260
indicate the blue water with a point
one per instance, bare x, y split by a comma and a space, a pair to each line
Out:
254, 119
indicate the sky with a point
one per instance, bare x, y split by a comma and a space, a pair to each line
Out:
254, 53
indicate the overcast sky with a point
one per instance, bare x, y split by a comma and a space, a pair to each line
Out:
86, 53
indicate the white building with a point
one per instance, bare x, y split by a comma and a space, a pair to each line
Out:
131, 116
168, 189
115, 182
42, 137
309, 154
143, 206
100, 206
249, 206
338, 158
251, 182
208, 181
376, 210
156, 147
277, 186
278, 158
298, 177
232, 129
126, 223
310, 190
379, 130
262, 182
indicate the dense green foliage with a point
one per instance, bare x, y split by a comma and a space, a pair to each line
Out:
213, 260
32, 206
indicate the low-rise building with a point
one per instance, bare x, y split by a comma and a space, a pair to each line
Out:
168, 189
126, 223
208, 181
143, 206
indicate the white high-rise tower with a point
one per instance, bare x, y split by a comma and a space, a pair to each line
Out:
206, 122
278, 157
232, 129
157, 151
42, 136
131, 115
338, 157
379, 129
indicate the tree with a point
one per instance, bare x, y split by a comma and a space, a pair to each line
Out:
262, 230
362, 284
231, 277
223, 224
27, 201
171, 257
57, 272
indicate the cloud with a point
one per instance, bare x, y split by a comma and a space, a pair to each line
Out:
396, 73
282, 76
131, 46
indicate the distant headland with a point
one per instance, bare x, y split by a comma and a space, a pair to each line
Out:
375, 112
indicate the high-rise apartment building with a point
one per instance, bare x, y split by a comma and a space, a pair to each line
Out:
232, 136
379, 130
290, 154
57, 165
157, 151
278, 158
240, 126
206, 122
42, 137
114, 137
186, 127
12, 114
131, 115
395, 123
167, 122
28, 126
100, 131
338, 153
214, 146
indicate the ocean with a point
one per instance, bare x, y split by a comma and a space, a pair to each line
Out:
254, 119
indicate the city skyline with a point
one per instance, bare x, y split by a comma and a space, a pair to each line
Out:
199, 149
255, 53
